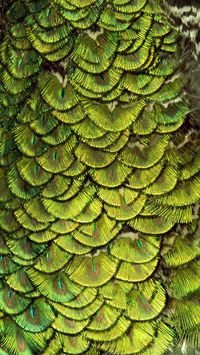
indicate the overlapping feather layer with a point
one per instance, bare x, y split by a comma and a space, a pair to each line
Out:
99, 182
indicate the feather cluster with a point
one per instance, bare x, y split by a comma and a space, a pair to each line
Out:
100, 183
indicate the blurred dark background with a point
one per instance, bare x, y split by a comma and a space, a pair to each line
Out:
4, 5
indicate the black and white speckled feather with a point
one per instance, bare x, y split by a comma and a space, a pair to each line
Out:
185, 16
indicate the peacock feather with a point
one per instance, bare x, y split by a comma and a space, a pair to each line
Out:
100, 184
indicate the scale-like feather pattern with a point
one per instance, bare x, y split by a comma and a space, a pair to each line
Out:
100, 186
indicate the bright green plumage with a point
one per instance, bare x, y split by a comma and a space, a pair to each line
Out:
99, 169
